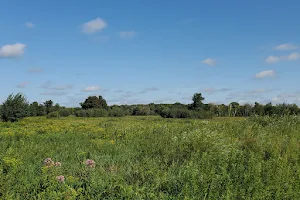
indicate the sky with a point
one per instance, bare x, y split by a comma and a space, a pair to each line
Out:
134, 51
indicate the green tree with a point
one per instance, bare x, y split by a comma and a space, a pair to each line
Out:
49, 106
258, 109
33, 109
14, 108
94, 102
233, 108
197, 101
268, 109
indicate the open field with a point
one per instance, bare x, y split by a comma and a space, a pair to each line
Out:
151, 158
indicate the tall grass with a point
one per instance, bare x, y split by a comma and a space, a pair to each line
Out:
151, 158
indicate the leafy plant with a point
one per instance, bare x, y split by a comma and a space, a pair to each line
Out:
14, 108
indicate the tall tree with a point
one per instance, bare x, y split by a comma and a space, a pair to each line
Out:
197, 101
49, 106
233, 108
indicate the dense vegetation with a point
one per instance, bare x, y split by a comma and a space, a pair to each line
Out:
16, 107
150, 158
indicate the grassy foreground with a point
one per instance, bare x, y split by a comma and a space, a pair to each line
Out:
151, 158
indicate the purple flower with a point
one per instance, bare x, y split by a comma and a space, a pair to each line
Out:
48, 162
90, 163
57, 164
60, 178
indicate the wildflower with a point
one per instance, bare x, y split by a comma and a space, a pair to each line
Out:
57, 164
60, 178
48, 162
90, 163
112, 142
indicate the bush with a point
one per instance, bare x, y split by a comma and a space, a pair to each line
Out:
201, 114
184, 113
92, 113
65, 112
54, 114
100, 112
141, 110
116, 112
14, 108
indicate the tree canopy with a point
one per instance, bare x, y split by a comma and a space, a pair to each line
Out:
94, 102
14, 107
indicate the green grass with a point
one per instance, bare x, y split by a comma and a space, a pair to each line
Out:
151, 158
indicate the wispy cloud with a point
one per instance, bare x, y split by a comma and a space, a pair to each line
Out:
287, 98
12, 50
127, 34
46, 85
23, 85
213, 90
209, 61
249, 95
91, 89
62, 87
285, 47
118, 91
53, 93
29, 25
260, 91
35, 70
264, 74
272, 59
128, 94
93, 26
148, 90
275, 59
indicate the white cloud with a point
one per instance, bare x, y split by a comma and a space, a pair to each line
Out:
127, 34
23, 84
276, 100
29, 24
93, 26
286, 98
266, 73
91, 88
286, 46
209, 61
275, 59
12, 50
272, 59
293, 56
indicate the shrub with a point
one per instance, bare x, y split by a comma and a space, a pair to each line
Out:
92, 113
65, 112
14, 108
141, 110
180, 112
116, 112
54, 114
100, 112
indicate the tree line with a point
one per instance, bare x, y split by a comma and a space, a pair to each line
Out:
16, 107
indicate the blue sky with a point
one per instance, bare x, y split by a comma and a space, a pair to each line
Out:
150, 51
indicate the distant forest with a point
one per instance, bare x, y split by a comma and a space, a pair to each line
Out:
17, 106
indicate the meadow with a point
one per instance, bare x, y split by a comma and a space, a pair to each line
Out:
150, 158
